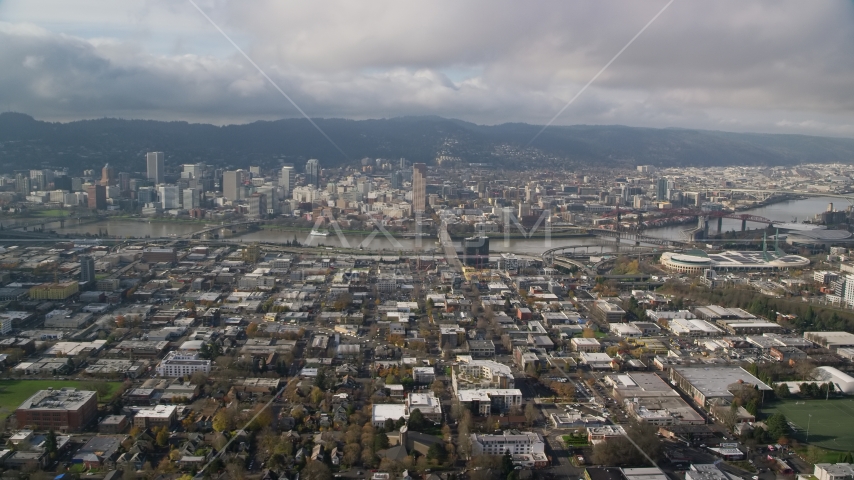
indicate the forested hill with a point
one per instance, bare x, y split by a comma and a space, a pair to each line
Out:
27, 143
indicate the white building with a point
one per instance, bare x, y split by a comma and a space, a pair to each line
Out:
484, 401
517, 443
626, 330
176, 364
424, 374
693, 328
596, 361
834, 471
385, 411
427, 403
471, 374
581, 344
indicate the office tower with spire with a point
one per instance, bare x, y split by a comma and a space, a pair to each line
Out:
154, 166
312, 172
108, 175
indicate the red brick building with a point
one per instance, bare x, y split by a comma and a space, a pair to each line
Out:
63, 410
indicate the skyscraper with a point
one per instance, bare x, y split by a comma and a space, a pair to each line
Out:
108, 174
87, 269
258, 205
193, 170
154, 164
232, 184
170, 196
312, 172
419, 187
396, 179
662, 190
124, 181
287, 179
97, 197
190, 198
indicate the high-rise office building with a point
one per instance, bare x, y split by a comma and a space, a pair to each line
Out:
146, 195
232, 184
193, 170
258, 205
124, 181
22, 184
108, 174
396, 179
419, 187
170, 196
288, 179
97, 197
403, 164
39, 179
190, 198
312, 172
661, 194
87, 269
154, 165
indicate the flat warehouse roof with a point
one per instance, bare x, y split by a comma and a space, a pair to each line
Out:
715, 381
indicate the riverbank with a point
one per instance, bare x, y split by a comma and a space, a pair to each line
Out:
523, 236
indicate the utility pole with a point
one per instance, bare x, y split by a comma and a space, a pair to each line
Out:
808, 428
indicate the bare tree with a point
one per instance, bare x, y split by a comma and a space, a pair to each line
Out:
531, 414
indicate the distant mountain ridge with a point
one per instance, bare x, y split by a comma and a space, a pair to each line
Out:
27, 143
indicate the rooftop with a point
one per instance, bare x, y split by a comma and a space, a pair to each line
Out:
62, 399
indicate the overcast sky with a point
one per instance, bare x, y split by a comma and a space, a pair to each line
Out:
783, 67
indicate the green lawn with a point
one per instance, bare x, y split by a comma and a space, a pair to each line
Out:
14, 392
573, 441
830, 424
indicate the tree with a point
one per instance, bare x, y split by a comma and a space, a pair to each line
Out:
781, 390
162, 437
777, 425
222, 420
315, 470
199, 378
506, 463
388, 426
437, 452
380, 441
531, 414
438, 388
416, 420
588, 332
352, 453
252, 329
463, 440
50, 444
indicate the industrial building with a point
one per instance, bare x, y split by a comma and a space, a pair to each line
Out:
704, 384
63, 410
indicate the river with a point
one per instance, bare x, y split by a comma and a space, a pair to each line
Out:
789, 211
782, 212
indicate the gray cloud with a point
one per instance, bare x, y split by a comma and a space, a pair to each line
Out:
730, 65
